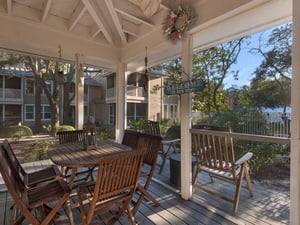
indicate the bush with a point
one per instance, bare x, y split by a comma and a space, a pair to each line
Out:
15, 131
65, 128
173, 132
37, 151
106, 132
263, 153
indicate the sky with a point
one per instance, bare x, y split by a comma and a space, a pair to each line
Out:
247, 61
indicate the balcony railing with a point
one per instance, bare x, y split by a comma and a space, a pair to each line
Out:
9, 93
132, 91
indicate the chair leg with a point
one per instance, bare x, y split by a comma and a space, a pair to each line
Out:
144, 193
131, 217
249, 185
238, 189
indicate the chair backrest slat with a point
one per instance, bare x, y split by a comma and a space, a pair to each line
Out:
130, 138
214, 150
71, 136
151, 127
152, 143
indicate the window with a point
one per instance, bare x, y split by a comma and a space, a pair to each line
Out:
29, 112
46, 112
173, 111
112, 114
29, 87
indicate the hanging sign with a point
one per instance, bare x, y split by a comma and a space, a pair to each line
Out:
184, 87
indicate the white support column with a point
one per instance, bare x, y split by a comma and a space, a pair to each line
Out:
120, 101
79, 92
295, 125
185, 121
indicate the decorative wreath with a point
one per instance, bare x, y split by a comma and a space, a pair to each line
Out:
177, 22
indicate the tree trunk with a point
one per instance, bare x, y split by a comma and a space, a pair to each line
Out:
38, 107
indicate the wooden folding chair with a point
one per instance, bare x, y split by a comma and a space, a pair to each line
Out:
33, 178
167, 146
152, 144
215, 155
113, 189
55, 193
130, 138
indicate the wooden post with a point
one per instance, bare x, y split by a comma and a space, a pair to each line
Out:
295, 125
185, 121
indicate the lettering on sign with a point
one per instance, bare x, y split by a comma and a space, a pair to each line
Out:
185, 87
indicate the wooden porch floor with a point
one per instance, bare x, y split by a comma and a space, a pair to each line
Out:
269, 205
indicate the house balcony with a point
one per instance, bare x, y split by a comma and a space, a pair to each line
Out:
134, 93
11, 95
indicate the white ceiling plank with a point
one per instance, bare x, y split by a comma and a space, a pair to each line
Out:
78, 13
45, 10
91, 9
130, 28
116, 20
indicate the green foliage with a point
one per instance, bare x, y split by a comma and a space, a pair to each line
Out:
173, 132
263, 153
65, 128
37, 151
271, 86
136, 124
47, 127
164, 126
15, 131
106, 132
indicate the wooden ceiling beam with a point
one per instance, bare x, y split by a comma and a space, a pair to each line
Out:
95, 14
116, 20
76, 16
45, 9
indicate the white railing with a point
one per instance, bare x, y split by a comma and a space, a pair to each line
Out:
12, 93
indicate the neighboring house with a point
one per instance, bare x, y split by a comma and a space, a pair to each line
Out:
17, 102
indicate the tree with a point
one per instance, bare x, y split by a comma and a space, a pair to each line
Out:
273, 76
213, 65
49, 71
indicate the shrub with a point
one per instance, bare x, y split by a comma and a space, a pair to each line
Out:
173, 132
15, 131
263, 153
37, 151
106, 132
65, 128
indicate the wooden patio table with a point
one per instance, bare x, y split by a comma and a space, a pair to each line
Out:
74, 155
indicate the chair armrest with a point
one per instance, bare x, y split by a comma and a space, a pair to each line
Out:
168, 142
244, 158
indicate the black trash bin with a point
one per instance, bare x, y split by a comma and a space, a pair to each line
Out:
175, 172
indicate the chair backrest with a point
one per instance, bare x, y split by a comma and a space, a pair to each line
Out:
213, 148
71, 136
152, 143
130, 138
151, 127
14, 164
11, 181
117, 178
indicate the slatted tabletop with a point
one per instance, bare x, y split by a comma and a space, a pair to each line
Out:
74, 155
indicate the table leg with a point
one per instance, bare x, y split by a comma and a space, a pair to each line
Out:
72, 178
